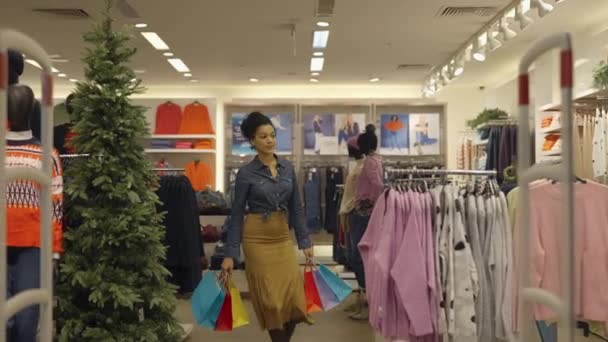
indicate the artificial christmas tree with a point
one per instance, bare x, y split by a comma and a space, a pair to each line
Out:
112, 284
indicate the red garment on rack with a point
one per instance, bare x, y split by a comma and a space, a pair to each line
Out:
168, 118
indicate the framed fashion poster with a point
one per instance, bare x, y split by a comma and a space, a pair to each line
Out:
424, 134
327, 134
282, 123
394, 134
319, 129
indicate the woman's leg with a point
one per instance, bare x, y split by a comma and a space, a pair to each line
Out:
290, 328
277, 335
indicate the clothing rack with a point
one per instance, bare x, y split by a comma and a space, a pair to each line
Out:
442, 172
42, 296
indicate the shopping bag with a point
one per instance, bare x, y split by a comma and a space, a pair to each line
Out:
224, 320
207, 300
338, 286
239, 314
313, 301
328, 298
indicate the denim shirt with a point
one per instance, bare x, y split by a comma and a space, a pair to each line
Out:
257, 190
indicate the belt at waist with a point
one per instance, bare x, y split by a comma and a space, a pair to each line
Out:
267, 213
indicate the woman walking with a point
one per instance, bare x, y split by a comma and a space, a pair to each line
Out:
267, 187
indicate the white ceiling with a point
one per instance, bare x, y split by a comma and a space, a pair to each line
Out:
574, 16
226, 42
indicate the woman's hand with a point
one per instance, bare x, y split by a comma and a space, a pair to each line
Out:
309, 255
227, 265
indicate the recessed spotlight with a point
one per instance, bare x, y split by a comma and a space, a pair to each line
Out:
374, 79
318, 54
314, 80
322, 24
315, 73
73, 80
178, 64
254, 80
155, 40
194, 81
141, 25
168, 54
187, 74
62, 75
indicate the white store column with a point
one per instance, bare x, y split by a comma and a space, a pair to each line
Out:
220, 144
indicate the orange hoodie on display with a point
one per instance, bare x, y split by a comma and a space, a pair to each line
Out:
195, 120
394, 126
199, 174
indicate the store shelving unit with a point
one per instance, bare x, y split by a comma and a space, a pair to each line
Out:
178, 151
181, 136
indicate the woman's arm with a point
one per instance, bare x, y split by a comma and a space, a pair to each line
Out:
296, 214
235, 228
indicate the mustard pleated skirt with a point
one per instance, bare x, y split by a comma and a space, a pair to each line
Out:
276, 283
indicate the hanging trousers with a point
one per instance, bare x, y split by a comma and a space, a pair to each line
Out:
312, 201
334, 177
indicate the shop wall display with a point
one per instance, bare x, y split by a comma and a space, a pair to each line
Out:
283, 124
327, 134
394, 134
424, 134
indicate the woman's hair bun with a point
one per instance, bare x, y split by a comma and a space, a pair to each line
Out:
252, 122
370, 128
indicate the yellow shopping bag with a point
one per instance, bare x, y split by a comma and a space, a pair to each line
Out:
239, 314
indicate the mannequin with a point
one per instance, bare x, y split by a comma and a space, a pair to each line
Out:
23, 211
16, 66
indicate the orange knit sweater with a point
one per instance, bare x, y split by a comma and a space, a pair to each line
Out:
23, 196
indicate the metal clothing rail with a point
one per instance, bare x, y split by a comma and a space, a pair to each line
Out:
168, 169
563, 173
443, 172
42, 296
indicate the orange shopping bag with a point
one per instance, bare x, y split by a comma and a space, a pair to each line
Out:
313, 300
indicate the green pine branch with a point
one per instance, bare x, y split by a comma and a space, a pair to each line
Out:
112, 284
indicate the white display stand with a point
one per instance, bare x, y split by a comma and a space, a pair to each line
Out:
44, 295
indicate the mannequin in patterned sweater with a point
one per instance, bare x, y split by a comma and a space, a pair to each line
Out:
23, 210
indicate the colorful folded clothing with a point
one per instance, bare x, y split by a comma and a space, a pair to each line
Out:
205, 144
183, 144
550, 141
161, 144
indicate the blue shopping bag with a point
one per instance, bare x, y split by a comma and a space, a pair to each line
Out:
207, 300
338, 286
328, 297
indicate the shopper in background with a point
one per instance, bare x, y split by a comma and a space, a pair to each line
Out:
267, 187
347, 206
370, 185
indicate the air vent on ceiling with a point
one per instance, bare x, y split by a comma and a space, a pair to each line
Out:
467, 11
64, 12
325, 8
404, 67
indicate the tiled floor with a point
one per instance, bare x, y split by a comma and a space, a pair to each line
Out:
330, 326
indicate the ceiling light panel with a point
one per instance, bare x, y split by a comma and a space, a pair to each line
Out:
178, 64
318, 54
319, 39
154, 39
314, 80
141, 25
316, 63
322, 24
